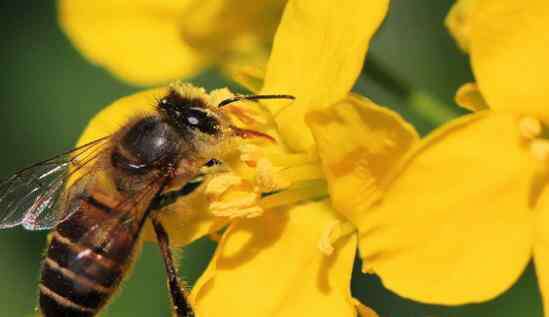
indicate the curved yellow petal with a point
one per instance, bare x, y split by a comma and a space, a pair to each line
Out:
271, 266
454, 226
363, 310
469, 97
318, 52
458, 22
138, 41
236, 30
359, 144
249, 77
509, 54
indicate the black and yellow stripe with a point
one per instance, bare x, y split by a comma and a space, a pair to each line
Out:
53, 304
78, 277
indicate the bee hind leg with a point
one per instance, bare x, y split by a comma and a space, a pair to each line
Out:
179, 294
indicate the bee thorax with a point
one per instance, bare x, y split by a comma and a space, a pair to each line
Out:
148, 144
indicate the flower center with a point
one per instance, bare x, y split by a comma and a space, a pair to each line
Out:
258, 181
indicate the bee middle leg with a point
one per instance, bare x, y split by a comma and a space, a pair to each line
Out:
179, 294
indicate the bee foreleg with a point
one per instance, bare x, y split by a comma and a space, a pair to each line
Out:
178, 292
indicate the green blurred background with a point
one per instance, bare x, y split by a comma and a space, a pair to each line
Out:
48, 92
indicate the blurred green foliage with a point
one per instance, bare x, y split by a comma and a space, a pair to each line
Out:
48, 92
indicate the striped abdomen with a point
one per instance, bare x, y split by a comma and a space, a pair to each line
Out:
87, 258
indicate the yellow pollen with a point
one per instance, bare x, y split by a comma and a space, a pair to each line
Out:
218, 95
333, 232
250, 153
221, 183
232, 197
540, 149
530, 127
244, 206
266, 178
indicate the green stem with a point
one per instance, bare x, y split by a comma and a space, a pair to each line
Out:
379, 73
421, 103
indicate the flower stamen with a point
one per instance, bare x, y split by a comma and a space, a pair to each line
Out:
221, 183
250, 153
306, 172
267, 180
312, 190
244, 206
232, 197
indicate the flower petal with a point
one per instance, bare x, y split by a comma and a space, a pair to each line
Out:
221, 28
138, 41
458, 22
317, 55
359, 144
509, 54
248, 77
363, 310
271, 266
458, 212
469, 97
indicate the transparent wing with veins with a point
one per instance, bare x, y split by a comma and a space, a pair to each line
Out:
32, 196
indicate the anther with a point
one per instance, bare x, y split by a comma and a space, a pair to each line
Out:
250, 154
243, 206
267, 180
221, 183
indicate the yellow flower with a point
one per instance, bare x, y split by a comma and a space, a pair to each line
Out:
271, 265
467, 209
149, 42
288, 249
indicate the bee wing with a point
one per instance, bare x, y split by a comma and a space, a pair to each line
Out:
31, 196
115, 237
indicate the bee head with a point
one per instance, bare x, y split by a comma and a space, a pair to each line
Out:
195, 112
190, 113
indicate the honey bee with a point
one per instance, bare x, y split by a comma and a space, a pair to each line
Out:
97, 219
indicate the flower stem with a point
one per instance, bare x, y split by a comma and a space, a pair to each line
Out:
420, 103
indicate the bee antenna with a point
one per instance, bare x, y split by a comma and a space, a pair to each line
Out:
253, 97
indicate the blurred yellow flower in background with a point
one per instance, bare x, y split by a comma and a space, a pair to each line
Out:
149, 42
467, 209
289, 249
